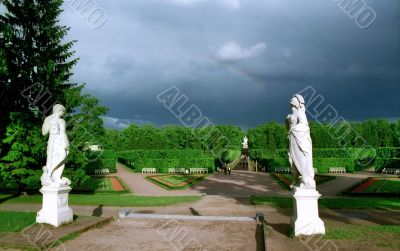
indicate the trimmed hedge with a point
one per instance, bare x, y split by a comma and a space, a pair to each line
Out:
323, 164
162, 154
270, 164
351, 158
259, 154
230, 155
100, 160
381, 163
388, 152
279, 158
162, 165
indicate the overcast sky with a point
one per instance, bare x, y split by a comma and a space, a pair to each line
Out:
238, 61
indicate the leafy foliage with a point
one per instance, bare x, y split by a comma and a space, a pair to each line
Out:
381, 163
164, 159
25, 146
213, 139
100, 160
35, 68
230, 155
36, 55
374, 133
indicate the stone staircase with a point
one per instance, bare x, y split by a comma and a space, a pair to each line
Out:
243, 163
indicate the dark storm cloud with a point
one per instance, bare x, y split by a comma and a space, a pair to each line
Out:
238, 61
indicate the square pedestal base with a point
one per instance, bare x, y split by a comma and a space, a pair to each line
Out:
55, 210
305, 220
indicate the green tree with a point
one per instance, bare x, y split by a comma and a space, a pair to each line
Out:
37, 58
35, 68
4, 115
21, 164
84, 128
113, 140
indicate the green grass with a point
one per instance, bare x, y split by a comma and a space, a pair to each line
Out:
97, 184
280, 179
384, 186
15, 221
381, 236
175, 181
333, 203
112, 200
101, 185
92, 185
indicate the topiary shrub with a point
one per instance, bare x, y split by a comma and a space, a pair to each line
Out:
323, 164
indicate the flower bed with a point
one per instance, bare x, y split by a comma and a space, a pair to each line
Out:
285, 180
96, 184
116, 184
175, 181
376, 186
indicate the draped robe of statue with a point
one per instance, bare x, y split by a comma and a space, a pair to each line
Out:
57, 148
245, 142
300, 145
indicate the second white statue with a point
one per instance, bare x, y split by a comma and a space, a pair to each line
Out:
305, 220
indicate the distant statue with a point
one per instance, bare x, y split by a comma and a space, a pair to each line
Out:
57, 148
245, 142
300, 144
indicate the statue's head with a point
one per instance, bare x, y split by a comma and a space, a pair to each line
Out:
297, 101
59, 109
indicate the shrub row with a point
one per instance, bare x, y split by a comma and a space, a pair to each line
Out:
354, 153
351, 158
162, 165
258, 154
388, 152
322, 164
102, 160
161, 154
381, 163
230, 155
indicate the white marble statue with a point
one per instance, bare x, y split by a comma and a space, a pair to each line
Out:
300, 144
57, 148
305, 219
245, 142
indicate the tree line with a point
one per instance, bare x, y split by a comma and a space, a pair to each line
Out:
369, 133
213, 139
36, 65
270, 136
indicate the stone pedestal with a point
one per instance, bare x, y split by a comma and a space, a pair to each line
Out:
305, 219
55, 210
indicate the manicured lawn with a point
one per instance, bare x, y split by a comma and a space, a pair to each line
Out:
98, 184
285, 180
385, 186
381, 236
103, 185
333, 203
176, 181
376, 186
112, 200
15, 221
91, 185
